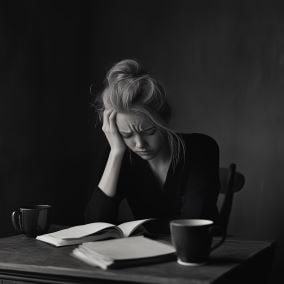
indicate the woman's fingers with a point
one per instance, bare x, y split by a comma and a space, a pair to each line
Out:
112, 121
111, 132
106, 115
109, 123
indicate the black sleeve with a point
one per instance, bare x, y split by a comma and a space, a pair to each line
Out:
101, 207
201, 188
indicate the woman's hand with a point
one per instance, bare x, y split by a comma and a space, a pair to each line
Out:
112, 134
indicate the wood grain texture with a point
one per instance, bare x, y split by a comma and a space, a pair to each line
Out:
26, 259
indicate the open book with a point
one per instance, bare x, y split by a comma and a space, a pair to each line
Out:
93, 232
124, 252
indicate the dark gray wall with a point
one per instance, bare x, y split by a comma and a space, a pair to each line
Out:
44, 108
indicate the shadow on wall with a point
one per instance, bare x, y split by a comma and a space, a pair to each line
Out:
44, 109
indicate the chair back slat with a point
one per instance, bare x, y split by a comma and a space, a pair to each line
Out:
231, 181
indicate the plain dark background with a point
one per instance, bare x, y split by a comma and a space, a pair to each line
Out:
221, 62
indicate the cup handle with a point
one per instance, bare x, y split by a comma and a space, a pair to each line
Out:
223, 237
16, 220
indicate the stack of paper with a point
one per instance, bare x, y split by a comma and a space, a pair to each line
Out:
125, 251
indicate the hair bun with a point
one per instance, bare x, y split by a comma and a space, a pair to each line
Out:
127, 68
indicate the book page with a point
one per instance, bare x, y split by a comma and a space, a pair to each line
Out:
82, 230
129, 227
127, 248
108, 234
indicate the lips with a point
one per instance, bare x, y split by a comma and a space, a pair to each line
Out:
143, 152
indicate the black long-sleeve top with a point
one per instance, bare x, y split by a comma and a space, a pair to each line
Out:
189, 191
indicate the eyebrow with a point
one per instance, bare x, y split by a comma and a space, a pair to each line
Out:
129, 132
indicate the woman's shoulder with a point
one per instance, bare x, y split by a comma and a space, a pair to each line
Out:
199, 140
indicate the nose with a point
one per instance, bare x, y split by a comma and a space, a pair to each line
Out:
139, 142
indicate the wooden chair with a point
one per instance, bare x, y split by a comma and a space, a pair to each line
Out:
231, 181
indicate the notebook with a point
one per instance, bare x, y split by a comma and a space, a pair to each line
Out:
117, 253
93, 232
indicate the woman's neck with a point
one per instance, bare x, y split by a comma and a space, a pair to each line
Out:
160, 165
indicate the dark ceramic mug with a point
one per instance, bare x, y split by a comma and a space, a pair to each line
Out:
192, 239
32, 220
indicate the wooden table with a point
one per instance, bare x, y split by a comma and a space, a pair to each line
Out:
26, 260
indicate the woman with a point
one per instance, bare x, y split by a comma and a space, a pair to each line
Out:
162, 174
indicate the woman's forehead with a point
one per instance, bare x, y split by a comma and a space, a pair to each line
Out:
129, 120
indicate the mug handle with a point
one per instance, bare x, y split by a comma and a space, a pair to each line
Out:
16, 220
223, 237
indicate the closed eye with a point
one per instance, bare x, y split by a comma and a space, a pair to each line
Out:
149, 131
125, 134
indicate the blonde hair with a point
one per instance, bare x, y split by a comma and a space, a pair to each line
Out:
128, 88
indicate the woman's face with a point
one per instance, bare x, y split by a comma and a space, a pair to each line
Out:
140, 135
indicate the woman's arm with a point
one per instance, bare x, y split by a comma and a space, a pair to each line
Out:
108, 182
103, 203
